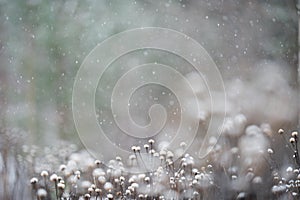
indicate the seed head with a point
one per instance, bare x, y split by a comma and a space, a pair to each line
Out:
93, 186
97, 162
147, 179
61, 186
270, 151
110, 196
53, 177
62, 167
182, 144
90, 190
146, 146
138, 148
128, 192
295, 134
151, 141
44, 173
98, 191
152, 151
133, 148
170, 154
118, 158
77, 173
34, 181
122, 178
280, 131
87, 196
59, 179
292, 140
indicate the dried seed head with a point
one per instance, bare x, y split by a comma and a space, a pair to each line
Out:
87, 196
131, 180
97, 162
161, 158
53, 177
122, 178
77, 173
128, 192
280, 131
110, 196
152, 151
59, 178
44, 173
138, 148
34, 181
292, 140
98, 191
289, 169
270, 151
194, 182
133, 148
93, 186
146, 146
151, 141
61, 186
62, 167
118, 158
170, 154
90, 190
295, 134
182, 144
147, 179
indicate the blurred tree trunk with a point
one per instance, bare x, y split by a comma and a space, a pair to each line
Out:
3, 90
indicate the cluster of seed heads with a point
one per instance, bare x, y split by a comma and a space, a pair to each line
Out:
287, 183
168, 179
151, 173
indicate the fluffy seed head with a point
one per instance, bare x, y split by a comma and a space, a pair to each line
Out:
90, 190
44, 173
151, 141
98, 191
146, 146
110, 196
270, 151
34, 180
280, 131
53, 177
87, 196
62, 167
97, 162
292, 140
118, 158
61, 186
295, 134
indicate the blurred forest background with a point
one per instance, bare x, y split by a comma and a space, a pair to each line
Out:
43, 43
